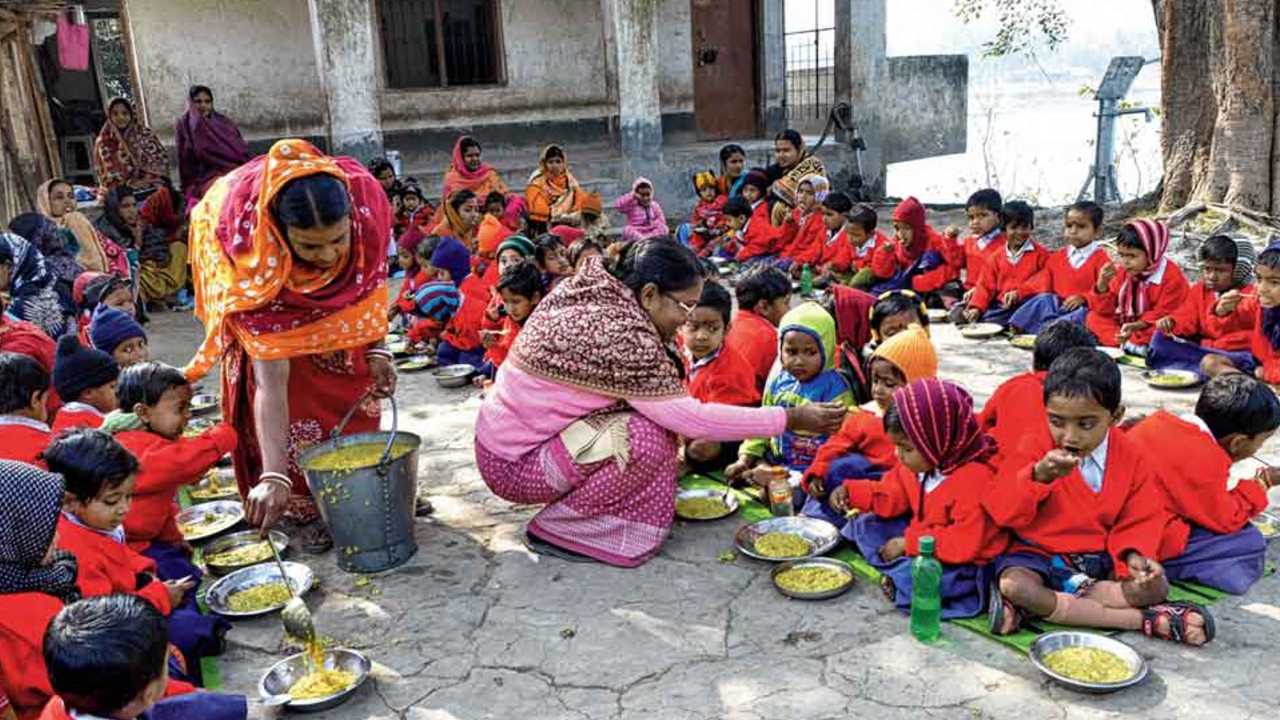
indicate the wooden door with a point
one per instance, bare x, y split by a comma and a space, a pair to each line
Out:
724, 68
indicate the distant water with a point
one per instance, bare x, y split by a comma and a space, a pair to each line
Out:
1040, 145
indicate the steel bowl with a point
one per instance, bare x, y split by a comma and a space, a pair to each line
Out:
237, 540
981, 331
1113, 353
398, 345
1268, 523
414, 363
836, 565
300, 579
1171, 379
1023, 342
1049, 642
204, 403
937, 315
226, 484
195, 426
821, 535
454, 376
729, 498
228, 513
285, 673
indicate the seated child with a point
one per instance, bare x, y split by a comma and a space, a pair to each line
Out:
997, 292
1016, 409
1061, 289
643, 213
100, 476
894, 312
836, 256
24, 431
764, 296
864, 241
119, 335
85, 378
800, 243
714, 373
1087, 519
521, 289
917, 257
736, 215
861, 450
985, 210
495, 204
1124, 306
159, 399
549, 254
944, 470
706, 221
401, 311
1264, 341
806, 374
107, 657
92, 289
414, 208
758, 237
1212, 541
1213, 319
581, 250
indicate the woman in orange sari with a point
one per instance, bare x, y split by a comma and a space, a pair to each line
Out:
127, 152
552, 192
462, 215
288, 260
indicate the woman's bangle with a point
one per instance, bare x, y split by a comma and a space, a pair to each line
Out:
278, 478
378, 352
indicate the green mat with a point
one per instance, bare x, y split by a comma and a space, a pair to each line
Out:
210, 672
751, 509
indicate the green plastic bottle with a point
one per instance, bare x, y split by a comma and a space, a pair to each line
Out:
926, 594
806, 281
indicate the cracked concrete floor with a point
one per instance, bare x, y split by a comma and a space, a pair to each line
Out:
476, 627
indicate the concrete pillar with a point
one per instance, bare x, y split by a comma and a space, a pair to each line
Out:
860, 72
773, 59
342, 31
635, 34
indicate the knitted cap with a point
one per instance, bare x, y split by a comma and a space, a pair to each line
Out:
490, 233
438, 301
1246, 257
758, 180
77, 368
110, 327
519, 243
452, 257
912, 352
592, 203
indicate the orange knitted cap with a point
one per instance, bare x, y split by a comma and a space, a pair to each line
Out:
912, 352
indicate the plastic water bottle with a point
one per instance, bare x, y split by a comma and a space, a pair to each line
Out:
926, 594
806, 281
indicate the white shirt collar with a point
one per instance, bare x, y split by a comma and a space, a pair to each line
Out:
1013, 256
697, 364
83, 716
1093, 467
24, 422
931, 480
866, 247
116, 534
984, 240
1079, 256
78, 406
1194, 419
1157, 275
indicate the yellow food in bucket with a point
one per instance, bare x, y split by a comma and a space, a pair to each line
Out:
811, 579
243, 555
1088, 664
781, 544
259, 597
321, 684
701, 508
355, 457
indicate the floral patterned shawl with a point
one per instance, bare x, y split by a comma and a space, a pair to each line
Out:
249, 287
96, 253
129, 154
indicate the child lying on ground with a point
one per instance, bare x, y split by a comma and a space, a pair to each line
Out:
1211, 540
1213, 319
764, 296
24, 431
85, 378
1061, 289
1145, 286
997, 291
714, 373
805, 375
1087, 518
120, 336
936, 489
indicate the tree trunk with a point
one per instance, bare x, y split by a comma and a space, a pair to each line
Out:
1219, 77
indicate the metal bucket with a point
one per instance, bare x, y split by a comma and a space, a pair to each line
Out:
368, 510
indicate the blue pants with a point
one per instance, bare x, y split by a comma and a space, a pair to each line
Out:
1040, 310
1231, 563
196, 635
448, 354
203, 705
964, 587
853, 466
1169, 353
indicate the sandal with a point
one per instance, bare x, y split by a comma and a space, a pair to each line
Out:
1176, 614
889, 589
422, 507
316, 539
539, 546
999, 609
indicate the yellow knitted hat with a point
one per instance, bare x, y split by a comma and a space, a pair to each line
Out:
912, 352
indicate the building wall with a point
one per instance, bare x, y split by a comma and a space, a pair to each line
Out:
257, 57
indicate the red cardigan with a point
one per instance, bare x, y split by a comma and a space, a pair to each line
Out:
756, 340
837, 253
727, 379
952, 513
1163, 299
1066, 516
105, 566
761, 237
166, 465
806, 247
76, 415
1195, 318
1192, 471
885, 262
1001, 276
497, 354
861, 257
977, 258
1015, 411
1059, 278
23, 439
1268, 357
861, 432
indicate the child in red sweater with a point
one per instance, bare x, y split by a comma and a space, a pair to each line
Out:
996, 294
24, 431
100, 477
917, 258
1087, 518
836, 256
802, 233
864, 241
932, 496
706, 221
758, 237
1128, 299
157, 399
1264, 341
714, 373
86, 379
1211, 540
1214, 318
401, 311
764, 296
1061, 289
985, 210
520, 287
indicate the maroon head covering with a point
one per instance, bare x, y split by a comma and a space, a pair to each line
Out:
853, 315
1132, 298
937, 417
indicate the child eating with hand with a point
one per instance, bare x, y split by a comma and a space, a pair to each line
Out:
1124, 306
521, 289
1061, 289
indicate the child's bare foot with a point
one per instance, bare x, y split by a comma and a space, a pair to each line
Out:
1003, 617
1182, 622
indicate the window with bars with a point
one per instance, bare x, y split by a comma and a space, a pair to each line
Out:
440, 43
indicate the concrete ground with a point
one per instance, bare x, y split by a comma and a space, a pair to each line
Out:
474, 626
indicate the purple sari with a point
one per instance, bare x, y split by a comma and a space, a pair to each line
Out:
208, 148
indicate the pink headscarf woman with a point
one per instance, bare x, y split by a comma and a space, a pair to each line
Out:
468, 172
